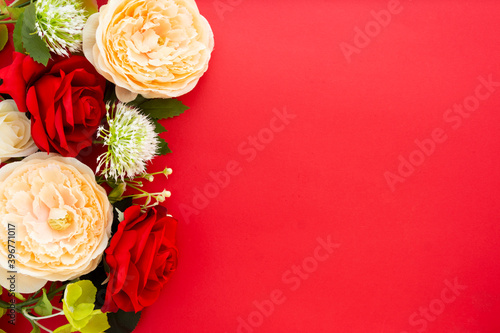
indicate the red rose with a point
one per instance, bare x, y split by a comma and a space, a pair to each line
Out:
65, 100
141, 256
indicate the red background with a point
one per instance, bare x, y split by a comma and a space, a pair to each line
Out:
324, 173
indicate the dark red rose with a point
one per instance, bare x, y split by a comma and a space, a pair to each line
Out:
65, 100
141, 256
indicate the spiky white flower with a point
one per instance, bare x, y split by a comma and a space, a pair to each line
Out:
131, 140
60, 24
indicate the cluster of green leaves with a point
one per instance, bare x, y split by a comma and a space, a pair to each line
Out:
26, 39
8, 14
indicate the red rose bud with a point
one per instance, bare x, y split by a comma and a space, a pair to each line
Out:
141, 256
65, 99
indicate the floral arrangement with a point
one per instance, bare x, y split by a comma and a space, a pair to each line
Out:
81, 106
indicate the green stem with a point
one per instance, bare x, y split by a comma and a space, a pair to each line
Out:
9, 21
24, 4
49, 295
134, 196
34, 295
138, 189
4, 305
133, 182
19, 3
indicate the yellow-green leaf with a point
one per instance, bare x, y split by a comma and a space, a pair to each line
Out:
83, 310
90, 6
15, 12
4, 36
35, 329
98, 323
63, 329
117, 192
43, 306
78, 303
3, 8
20, 297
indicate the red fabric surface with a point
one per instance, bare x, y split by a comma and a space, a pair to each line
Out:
418, 256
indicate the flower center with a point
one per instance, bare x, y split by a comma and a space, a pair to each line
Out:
59, 219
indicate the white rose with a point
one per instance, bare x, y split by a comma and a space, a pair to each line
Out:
156, 48
59, 219
15, 132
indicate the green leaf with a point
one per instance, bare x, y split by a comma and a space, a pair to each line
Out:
53, 286
17, 34
159, 127
162, 108
34, 45
35, 329
123, 322
15, 13
43, 306
4, 36
117, 192
164, 150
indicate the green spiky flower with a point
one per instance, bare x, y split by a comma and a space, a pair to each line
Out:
60, 24
131, 140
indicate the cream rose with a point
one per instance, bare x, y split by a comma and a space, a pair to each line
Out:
156, 48
15, 132
58, 216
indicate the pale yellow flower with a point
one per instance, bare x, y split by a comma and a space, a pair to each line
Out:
59, 217
15, 132
156, 48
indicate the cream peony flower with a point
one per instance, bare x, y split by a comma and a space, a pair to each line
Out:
156, 48
15, 132
60, 217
